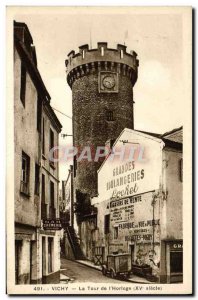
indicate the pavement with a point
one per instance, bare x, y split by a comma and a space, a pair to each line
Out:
73, 271
133, 278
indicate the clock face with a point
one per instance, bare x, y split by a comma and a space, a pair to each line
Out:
108, 82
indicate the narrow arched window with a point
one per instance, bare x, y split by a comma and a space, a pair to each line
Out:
110, 115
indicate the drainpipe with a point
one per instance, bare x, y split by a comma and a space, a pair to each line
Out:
72, 197
155, 196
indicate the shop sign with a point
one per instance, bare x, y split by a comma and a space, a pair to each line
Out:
176, 246
123, 210
52, 224
133, 216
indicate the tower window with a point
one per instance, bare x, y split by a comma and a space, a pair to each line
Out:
102, 51
121, 54
83, 54
110, 115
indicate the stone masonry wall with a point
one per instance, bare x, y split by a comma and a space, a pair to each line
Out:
91, 127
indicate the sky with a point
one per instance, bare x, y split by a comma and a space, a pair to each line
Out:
157, 39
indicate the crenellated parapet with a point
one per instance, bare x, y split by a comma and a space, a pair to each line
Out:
90, 61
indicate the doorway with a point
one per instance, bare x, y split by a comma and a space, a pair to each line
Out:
50, 255
176, 266
43, 257
132, 251
18, 247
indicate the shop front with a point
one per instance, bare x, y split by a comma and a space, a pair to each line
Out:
172, 264
132, 225
25, 254
49, 248
135, 229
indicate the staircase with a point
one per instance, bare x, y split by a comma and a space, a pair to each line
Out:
73, 240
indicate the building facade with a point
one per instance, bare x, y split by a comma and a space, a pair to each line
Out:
31, 101
140, 192
49, 239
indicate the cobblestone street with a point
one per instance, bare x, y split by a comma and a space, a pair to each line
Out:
80, 273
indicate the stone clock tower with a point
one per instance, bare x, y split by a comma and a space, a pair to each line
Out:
102, 83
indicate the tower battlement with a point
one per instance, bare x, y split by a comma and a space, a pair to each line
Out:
102, 58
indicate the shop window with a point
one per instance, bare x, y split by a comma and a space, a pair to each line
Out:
50, 255
176, 262
37, 181
25, 173
106, 224
115, 233
23, 83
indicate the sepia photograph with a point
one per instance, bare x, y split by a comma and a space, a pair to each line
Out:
99, 139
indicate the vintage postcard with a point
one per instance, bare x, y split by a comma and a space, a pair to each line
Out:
99, 150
